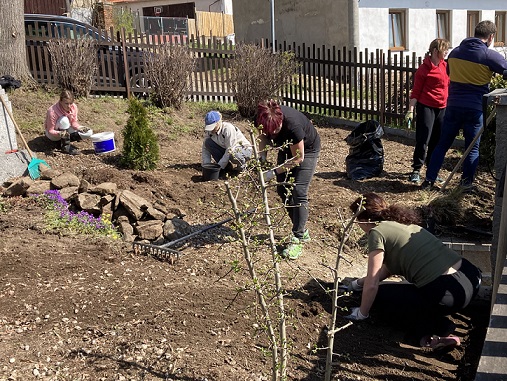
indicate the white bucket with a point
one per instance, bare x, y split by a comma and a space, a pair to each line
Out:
103, 142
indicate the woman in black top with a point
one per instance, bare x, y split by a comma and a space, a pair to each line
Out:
299, 147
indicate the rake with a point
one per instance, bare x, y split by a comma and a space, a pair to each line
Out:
164, 252
34, 165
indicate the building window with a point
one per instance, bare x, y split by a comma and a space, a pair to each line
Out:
397, 29
500, 26
443, 25
472, 21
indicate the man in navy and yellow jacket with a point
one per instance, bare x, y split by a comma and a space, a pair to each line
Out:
471, 66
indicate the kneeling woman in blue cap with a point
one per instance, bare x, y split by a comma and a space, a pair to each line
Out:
224, 142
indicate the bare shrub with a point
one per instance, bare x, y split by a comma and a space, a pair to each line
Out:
74, 64
258, 74
169, 71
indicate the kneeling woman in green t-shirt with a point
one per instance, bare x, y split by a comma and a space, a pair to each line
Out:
439, 281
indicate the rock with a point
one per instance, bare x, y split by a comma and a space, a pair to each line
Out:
104, 188
126, 230
84, 186
107, 204
134, 204
155, 213
39, 187
89, 203
117, 200
18, 188
176, 228
66, 179
68, 193
149, 230
49, 174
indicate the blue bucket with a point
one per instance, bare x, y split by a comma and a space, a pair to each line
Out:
103, 142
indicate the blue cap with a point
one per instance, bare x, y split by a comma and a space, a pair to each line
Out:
211, 119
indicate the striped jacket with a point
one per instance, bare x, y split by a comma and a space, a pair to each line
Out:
471, 66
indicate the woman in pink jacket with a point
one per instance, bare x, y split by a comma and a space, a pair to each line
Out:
429, 98
61, 123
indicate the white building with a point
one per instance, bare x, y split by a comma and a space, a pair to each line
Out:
398, 25
410, 25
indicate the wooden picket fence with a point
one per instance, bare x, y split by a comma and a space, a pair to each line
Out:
355, 85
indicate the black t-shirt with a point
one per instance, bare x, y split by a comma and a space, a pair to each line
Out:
296, 127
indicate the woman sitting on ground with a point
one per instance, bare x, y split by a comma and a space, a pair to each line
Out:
61, 124
440, 281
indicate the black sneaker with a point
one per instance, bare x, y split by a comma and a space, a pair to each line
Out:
71, 150
468, 188
427, 185
414, 177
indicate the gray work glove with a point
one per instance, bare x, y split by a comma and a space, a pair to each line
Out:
356, 315
63, 134
355, 286
268, 175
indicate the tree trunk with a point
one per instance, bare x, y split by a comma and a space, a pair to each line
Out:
12, 40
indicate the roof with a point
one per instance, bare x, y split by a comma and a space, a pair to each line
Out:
128, 1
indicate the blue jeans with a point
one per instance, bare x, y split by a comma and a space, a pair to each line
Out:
295, 196
457, 118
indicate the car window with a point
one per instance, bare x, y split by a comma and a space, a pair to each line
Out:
72, 31
36, 29
61, 29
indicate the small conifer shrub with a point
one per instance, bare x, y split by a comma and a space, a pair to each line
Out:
141, 150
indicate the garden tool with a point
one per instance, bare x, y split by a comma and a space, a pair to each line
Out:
34, 165
164, 251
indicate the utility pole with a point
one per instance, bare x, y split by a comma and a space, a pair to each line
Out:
273, 24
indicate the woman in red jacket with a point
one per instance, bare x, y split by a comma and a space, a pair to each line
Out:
429, 97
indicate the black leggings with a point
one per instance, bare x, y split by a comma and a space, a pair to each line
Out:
421, 309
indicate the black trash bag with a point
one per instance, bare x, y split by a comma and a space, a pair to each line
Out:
9, 82
366, 153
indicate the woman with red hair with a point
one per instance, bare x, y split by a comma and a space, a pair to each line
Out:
298, 144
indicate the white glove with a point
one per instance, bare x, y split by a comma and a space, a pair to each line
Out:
355, 286
268, 175
356, 315
409, 116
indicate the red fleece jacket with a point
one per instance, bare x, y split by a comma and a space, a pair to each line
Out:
431, 84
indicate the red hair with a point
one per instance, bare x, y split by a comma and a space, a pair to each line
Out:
270, 116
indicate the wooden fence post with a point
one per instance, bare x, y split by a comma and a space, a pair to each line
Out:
125, 63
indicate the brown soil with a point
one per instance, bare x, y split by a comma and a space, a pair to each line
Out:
83, 308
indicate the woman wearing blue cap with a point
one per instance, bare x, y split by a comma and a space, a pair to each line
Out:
224, 142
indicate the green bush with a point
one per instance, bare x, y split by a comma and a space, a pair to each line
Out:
140, 144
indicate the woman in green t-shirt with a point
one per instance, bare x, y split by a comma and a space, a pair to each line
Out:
439, 281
